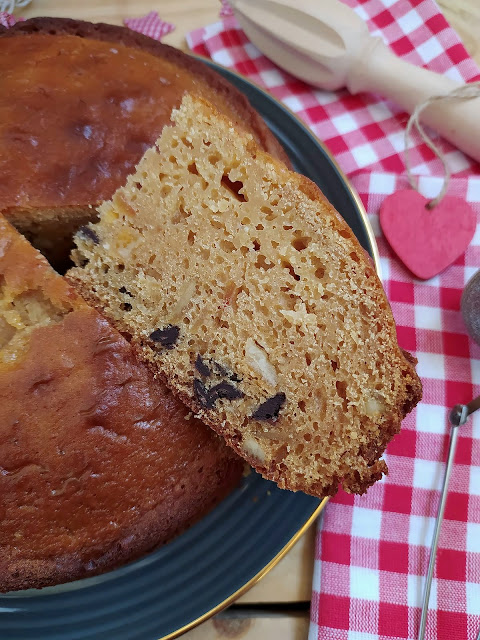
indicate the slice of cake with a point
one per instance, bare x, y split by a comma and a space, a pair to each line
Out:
99, 463
243, 288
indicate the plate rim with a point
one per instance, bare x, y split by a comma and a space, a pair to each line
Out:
253, 581
376, 260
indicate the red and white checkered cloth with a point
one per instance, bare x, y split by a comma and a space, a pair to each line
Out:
7, 20
150, 25
372, 551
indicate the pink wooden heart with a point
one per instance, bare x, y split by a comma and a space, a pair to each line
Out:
427, 241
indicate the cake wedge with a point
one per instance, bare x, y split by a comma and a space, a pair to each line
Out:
242, 287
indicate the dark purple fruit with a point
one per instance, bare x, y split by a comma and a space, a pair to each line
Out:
470, 306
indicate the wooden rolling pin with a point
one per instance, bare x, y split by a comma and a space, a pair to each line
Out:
325, 43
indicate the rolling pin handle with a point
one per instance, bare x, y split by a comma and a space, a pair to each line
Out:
379, 71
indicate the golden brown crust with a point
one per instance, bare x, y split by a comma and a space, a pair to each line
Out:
99, 463
74, 126
247, 116
99, 108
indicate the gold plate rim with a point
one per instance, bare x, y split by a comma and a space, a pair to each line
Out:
253, 581
376, 259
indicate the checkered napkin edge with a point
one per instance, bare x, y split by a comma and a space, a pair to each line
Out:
150, 25
7, 20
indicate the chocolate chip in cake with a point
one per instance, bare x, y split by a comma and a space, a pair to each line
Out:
224, 390
208, 397
201, 393
201, 367
90, 234
270, 409
166, 337
124, 290
221, 370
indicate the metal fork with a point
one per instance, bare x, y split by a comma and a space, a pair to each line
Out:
458, 417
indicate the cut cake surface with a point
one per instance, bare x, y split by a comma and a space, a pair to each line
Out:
242, 287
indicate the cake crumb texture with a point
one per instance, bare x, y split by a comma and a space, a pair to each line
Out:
241, 286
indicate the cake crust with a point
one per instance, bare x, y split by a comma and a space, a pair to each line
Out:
247, 116
74, 125
99, 463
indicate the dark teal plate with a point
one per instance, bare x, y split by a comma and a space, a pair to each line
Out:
206, 568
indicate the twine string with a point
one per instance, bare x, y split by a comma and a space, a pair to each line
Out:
460, 94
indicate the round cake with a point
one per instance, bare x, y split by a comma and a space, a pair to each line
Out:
75, 123
99, 463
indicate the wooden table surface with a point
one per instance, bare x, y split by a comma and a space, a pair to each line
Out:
277, 607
